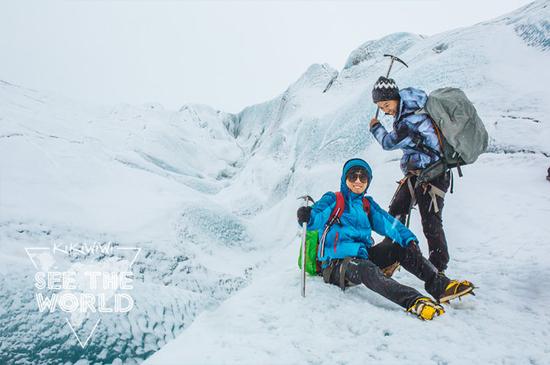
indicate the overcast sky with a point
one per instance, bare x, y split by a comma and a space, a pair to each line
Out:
225, 54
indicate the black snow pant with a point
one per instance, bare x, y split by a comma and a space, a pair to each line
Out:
430, 213
367, 272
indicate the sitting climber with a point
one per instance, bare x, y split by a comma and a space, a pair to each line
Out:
348, 256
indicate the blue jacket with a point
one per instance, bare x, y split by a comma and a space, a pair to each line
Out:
408, 129
353, 236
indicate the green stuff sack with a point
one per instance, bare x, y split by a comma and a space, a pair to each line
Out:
312, 243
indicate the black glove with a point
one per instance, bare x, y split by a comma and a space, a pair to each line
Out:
303, 214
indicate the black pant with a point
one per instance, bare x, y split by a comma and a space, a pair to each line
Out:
432, 222
382, 255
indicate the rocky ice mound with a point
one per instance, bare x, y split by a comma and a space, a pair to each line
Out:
396, 43
133, 176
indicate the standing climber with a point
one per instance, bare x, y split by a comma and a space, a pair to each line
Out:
416, 136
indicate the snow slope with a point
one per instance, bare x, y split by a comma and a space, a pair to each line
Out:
495, 220
135, 176
503, 253
210, 198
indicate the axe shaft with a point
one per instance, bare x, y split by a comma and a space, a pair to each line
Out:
306, 199
389, 69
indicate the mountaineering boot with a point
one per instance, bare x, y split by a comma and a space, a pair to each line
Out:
426, 309
456, 289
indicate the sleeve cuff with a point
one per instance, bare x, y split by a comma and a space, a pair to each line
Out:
375, 127
411, 239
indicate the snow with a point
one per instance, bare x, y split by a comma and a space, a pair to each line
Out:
73, 173
210, 198
499, 239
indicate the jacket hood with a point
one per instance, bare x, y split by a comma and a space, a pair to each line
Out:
347, 166
411, 100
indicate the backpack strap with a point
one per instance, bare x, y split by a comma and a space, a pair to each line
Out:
366, 208
338, 209
334, 217
435, 127
366, 205
439, 137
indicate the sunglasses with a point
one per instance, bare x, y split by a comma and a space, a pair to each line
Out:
357, 175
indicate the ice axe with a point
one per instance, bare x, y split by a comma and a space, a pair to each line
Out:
306, 199
393, 58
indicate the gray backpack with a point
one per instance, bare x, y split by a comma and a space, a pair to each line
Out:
464, 136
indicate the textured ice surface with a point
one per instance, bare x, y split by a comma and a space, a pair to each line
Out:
210, 198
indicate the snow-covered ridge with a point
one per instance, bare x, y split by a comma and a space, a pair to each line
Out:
210, 198
396, 43
531, 23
